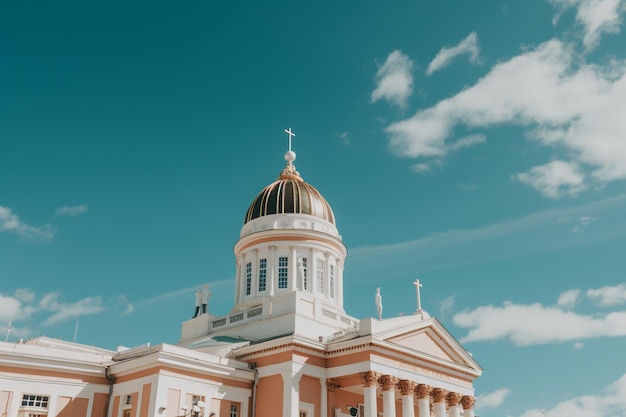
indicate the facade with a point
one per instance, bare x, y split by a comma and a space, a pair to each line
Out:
286, 349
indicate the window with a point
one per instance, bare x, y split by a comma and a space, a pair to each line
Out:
248, 277
305, 282
283, 267
233, 410
331, 284
319, 272
35, 401
262, 274
129, 400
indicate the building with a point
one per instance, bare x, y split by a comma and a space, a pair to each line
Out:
287, 348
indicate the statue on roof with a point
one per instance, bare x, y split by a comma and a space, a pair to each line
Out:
206, 294
198, 302
378, 300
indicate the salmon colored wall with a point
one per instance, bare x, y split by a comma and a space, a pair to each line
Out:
116, 406
99, 404
225, 408
5, 400
79, 407
145, 400
64, 409
269, 400
134, 406
311, 391
72, 407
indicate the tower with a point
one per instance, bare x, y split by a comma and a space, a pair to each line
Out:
289, 268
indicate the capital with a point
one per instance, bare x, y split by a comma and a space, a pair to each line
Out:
332, 385
438, 394
422, 391
406, 387
369, 378
387, 382
467, 402
453, 398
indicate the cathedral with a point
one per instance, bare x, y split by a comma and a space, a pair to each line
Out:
287, 348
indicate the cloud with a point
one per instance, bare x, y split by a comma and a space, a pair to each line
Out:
608, 296
596, 17
468, 46
568, 299
550, 91
467, 141
534, 324
344, 137
10, 222
70, 211
610, 402
582, 223
492, 399
394, 81
68, 311
421, 168
554, 179
446, 306
468, 186
10, 308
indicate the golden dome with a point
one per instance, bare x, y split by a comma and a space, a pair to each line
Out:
290, 194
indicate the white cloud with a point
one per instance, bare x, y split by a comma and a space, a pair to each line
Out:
468, 46
446, 306
468, 186
10, 308
578, 345
70, 211
608, 403
609, 295
596, 17
549, 90
492, 399
421, 168
582, 223
467, 141
394, 81
535, 324
568, 299
67, 311
554, 179
10, 222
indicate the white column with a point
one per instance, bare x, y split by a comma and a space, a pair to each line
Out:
293, 270
369, 399
291, 393
271, 265
237, 280
467, 402
453, 399
254, 284
406, 390
323, 398
326, 276
439, 402
423, 404
387, 383
339, 279
370, 381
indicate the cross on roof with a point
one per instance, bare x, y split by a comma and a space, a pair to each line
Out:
291, 134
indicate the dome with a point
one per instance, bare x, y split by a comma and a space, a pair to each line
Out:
290, 194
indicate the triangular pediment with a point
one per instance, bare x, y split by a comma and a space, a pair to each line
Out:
423, 342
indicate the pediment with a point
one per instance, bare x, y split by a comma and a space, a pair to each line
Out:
423, 342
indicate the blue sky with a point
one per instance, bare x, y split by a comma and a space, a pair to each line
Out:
477, 146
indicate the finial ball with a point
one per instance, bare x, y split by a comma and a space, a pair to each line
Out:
290, 156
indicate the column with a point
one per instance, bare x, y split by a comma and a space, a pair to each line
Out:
453, 399
327, 276
439, 404
332, 385
291, 393
370, 380
326, 384
238, 279
254, 282
339, 279
406, 390
422, 392
388, 384
467, 402
271, 266
293, 270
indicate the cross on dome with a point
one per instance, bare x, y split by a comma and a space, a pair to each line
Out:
291, 135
